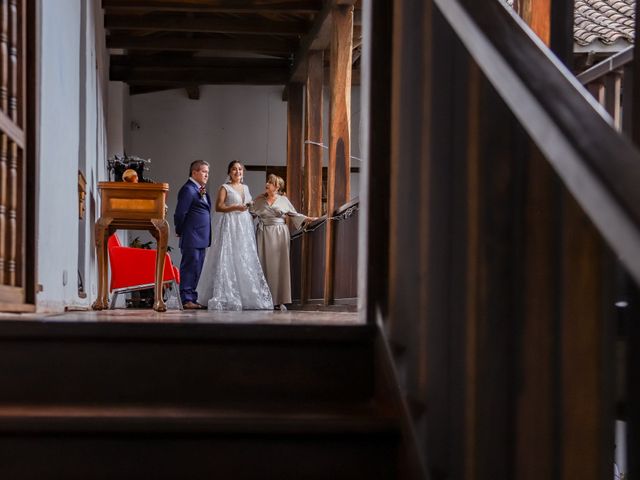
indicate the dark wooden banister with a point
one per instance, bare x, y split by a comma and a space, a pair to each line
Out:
320, 220
600, 167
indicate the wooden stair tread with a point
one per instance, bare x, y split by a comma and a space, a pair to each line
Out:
144, 419
180, 332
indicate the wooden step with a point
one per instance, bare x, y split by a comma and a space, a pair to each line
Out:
183, 364
129, 442
319, 419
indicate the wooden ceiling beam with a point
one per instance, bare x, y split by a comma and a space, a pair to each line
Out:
175, 23
256, 44
211, 6
198, 76
318, 38
140, 89
177, 61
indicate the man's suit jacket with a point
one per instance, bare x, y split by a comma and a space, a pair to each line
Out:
192, 218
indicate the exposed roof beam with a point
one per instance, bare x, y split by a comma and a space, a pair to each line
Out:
140, 89
176, 23
176, 61
230, 6
175, 43
198, 76
318, 38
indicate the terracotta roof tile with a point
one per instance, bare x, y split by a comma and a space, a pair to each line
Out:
606, 21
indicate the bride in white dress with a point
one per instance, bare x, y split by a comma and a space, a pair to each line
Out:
232, 277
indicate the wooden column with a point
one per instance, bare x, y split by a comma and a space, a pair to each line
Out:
313, 154
552, 20
313, 133
537, 13
339, 130
294, 145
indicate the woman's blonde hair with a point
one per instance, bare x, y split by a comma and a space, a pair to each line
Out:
277, 182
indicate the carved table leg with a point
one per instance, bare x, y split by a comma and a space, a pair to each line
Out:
102, 235
162, 230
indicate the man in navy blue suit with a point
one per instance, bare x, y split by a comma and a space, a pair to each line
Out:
192, 221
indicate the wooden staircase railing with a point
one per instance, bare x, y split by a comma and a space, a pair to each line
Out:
307, 259
600, 168
513, 200
607, 80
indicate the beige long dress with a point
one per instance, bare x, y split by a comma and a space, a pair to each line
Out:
272, 237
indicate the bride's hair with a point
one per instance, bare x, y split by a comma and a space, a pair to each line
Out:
233, 162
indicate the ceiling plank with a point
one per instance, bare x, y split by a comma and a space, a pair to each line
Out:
229, 6
175, 23
176, 43
318, 38
198, 76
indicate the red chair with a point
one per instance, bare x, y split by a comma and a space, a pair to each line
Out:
134, 269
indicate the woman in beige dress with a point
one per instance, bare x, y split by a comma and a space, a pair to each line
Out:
272, 237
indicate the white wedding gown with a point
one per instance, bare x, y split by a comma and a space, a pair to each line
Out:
232, 277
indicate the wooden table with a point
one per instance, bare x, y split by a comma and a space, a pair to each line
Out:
134, 206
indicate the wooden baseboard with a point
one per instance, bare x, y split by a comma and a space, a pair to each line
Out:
315, 301
346, 301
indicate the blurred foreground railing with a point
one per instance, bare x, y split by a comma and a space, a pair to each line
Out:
512, 202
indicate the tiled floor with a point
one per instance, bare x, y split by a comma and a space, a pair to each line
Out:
290, 317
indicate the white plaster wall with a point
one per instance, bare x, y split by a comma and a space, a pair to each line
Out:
72, 136
116, 117
248, 123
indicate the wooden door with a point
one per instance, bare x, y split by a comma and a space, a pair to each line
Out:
16, 285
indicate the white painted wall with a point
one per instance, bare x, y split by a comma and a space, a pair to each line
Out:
118, 101
72, 136
247, 123
226, 123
